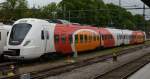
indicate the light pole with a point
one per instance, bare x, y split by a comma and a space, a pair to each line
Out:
120, 3
144, 17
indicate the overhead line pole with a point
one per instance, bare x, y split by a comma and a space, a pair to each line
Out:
120, 3
144, 17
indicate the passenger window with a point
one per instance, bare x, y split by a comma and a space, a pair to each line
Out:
76, 38
94, 38
70, 38
97, 38
47, 35
118, 37
106, 37
81, 38
56, 38
85, 37
110, 37
42, 34
63, 39
0, 35
90, 38
7, 33
102, 37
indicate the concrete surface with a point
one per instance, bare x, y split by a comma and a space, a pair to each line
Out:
143, 73
90, 71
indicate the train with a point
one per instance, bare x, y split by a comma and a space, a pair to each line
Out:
4, 30
31, 38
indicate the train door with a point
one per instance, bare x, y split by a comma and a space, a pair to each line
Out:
44, 38
65, 45
3, 37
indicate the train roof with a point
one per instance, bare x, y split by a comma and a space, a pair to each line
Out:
6, 27
31, 20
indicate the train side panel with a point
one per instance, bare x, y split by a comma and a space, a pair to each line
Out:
127, 34
63, 39
108, 40
86, 39
117, 35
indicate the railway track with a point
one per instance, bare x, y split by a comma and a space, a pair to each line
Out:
7, 67
126, 70
68, 67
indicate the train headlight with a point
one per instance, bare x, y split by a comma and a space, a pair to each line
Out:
26, 43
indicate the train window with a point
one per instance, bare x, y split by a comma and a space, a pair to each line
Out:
7, 33
63, 39
90, 38
47, 36
105, 37
56, 38
70, 38
81, 38
85, 37
76, 38
130, 37
111, 37
94, 37
0, 36
117, 36
120, 36
42, 34
108, 37
102, 37
97, 37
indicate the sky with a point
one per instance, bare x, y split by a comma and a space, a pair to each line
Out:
41, 2
132, 3
125, 4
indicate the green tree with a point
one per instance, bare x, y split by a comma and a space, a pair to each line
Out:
139, 22
85, 11
49, 11
14, 9
121, 17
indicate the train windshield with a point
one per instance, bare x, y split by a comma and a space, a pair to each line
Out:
18, 33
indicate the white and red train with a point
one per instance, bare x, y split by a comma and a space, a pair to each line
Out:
4, 29
31, 38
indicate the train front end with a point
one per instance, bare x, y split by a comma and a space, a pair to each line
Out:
23, 40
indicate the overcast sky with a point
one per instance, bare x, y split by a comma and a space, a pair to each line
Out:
125, 3
131, 3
